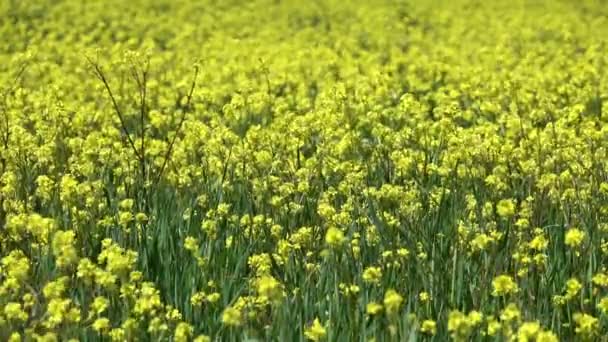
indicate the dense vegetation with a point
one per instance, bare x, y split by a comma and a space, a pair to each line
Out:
292, 170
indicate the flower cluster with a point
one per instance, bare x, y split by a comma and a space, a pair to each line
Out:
303, 170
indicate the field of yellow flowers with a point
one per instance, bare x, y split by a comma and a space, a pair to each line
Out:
284, 170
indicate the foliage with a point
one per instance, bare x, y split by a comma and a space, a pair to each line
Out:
292, 170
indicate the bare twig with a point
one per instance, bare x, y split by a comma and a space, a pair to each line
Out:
101, 76
5, 93
187, 107
142, 84
7, 133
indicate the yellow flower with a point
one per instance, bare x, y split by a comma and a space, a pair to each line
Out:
55, 289
48, 337
493, 327
372, 275
586, 325
231, 316
202, 338
455, 320
461, 326
14, 312
539, 243
573, 287
28, 300
392, 301
197, 298
101, 325
15, 337
16, 265
100, 305
118, 261
156, 326
528, 331
86, 270
182, 332
117, 334
270, 288
603, 305
172, 314
373, 308
213, 297
63, 248
141, 218
480, 242
546, 336
148, 300
349, 290
505, 208
191, 244
316, 331
574, 237
510, 313
600, 279
504, 285
429, 327
334, 237
475, 317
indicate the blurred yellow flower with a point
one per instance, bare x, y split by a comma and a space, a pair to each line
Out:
316, 331
586, 325
392, 301
505, 208
574, 237
373, 308
504, 285
372, 275
334, 237
429, 327
231, 317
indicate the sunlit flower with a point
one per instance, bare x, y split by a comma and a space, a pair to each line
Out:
316, 331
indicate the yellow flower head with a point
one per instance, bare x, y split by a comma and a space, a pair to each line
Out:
573, 286
392, 301
191, 244
372, 275
270, 288
505, 208
183, 331
101, 325
429, 327
373, 308
334, 237
528, 331
574, 238
232, 317
586, 325
504, 285
316, 331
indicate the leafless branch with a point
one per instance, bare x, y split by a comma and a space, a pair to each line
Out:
101, 76
185, 110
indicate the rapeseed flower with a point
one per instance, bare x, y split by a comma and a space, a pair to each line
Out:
232, 317
372, 275
586, 325
504, 285
505, 208
373, 308
316, 331
392, 301
323, 176
429, 327
574, 237
334, 237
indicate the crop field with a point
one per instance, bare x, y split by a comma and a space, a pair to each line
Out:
284, 170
